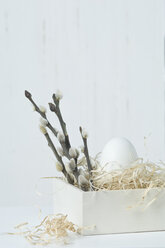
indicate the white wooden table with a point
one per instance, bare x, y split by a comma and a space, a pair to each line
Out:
12, 216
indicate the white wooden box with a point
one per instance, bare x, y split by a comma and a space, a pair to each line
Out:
105, 212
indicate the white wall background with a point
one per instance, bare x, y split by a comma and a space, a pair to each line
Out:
107, 56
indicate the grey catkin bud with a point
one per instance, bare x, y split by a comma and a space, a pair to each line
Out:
81, 171
33, 107
42, 109
84, 173
67, 167
60, 151
73, 152
58, 95
43, 122
72, 164
52, 107
84, 133
43, 129
28, 94
78, 154
59, 166
60, 137
83, 183
92, 162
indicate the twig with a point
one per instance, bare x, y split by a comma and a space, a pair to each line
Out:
50, 143
62, 123
65, 143
58, 157
43, 114
86, 153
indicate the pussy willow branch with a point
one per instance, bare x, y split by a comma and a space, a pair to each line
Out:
62, 123
63, 143
66, 144
50, 143
86, 153
37, 109
58, 157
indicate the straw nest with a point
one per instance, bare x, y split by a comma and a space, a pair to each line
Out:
140, 175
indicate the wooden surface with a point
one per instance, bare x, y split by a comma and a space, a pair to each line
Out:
108, 59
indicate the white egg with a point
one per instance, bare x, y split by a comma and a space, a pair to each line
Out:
118, 153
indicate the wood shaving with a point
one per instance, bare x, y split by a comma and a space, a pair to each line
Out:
141, 175
53, 228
